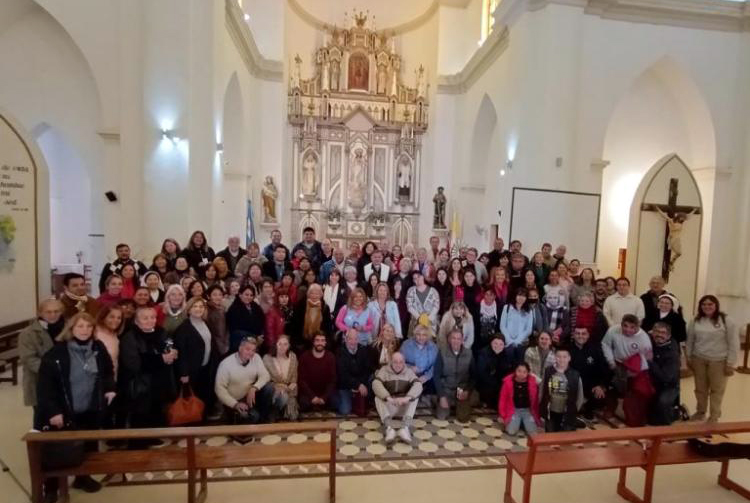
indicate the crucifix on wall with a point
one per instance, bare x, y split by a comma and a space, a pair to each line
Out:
675, 217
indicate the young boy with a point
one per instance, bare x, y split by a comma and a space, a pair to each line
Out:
562, 394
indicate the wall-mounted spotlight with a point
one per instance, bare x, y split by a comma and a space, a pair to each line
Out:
247, 17
509, 164
171, 135
219, 147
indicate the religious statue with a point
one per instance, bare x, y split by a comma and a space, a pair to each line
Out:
382, 77
394, 77
309, 175
296, 72
674, 239
358, 178
335, 75
420, 81
324, 85
438, 220
404, 178
269, 194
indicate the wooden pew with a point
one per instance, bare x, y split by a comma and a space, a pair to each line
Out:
625, 448
195, 459
9, 356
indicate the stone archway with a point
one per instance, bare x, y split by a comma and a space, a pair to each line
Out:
669, 182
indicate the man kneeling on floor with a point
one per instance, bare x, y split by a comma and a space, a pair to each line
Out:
397, 391
243, 385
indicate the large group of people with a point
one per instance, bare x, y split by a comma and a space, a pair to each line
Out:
264, 334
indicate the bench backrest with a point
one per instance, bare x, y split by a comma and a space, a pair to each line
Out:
674, 432
180, 432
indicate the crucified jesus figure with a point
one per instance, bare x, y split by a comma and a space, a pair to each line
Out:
674, 239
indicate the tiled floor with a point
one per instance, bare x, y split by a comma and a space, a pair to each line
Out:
673, 484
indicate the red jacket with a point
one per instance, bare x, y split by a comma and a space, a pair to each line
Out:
274, 328
505, 408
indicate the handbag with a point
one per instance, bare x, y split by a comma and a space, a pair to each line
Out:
186, 409
61, 455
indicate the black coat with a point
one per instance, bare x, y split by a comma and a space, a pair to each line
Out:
251, 320
269, 270
196, 256
141, 364
490, 371
54, 394
191, 349
665, 366
353, 369
298, 324
673, 319
590, 363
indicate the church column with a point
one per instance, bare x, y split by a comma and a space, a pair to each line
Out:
201, 127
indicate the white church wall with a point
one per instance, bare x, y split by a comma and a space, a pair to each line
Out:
574, 70
46, 77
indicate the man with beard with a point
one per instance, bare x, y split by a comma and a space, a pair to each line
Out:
115, 267
317, 377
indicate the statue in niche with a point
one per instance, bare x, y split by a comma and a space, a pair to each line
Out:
439, 200
382, 78
335, 69
325, 79
394, 77
269, 195
420, 81
358, 178
296, 72
310, 175
403, 178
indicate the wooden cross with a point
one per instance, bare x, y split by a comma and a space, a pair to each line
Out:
671, 209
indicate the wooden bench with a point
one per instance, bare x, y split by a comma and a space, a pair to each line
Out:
9, 355
195, 458
625, 448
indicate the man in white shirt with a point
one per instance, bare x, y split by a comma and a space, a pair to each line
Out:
377, 266
243, 385
623, 302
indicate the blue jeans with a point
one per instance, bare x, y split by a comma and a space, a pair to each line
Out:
521, 416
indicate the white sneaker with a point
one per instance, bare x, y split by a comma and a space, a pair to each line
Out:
390, 435
404, 435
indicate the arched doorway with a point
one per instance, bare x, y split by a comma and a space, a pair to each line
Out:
660, 248
473, 183
233, 180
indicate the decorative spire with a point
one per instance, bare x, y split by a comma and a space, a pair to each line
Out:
360, 18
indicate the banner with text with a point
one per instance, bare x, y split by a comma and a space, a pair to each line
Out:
18, 250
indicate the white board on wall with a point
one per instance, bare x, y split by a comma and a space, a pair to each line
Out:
18, 250
558, 217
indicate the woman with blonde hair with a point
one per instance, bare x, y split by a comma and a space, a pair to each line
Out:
385, 310
171, 312
282, 365
356, 316
76, 385
457, 317
385, 344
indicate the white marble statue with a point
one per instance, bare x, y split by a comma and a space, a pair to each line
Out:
309, 175
358, 178
420, 81
296, 72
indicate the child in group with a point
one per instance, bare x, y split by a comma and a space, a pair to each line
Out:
519, 401
562, 394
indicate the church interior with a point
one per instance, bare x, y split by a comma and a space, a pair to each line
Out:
616, 128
